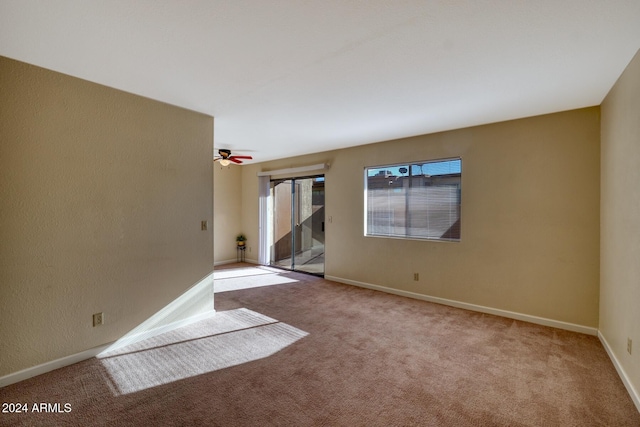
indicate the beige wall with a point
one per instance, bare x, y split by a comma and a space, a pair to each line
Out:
620, 221
530, 217
101, 199
227, 211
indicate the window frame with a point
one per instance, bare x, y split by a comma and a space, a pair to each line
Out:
407, 236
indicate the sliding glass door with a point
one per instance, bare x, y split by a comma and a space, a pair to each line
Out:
281, 248
298, 224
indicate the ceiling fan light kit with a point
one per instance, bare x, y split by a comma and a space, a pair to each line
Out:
225, 157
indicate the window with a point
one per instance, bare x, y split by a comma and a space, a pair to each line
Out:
418, 200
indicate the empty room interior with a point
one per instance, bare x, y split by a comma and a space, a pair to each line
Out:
440, 203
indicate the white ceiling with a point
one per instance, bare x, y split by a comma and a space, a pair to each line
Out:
289, 77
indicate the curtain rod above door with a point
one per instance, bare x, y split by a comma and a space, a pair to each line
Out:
302, 169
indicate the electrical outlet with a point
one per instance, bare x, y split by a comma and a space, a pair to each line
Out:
629, 343
203, 225
98, 319
416, 276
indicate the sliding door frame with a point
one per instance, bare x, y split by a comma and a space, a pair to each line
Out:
300, 225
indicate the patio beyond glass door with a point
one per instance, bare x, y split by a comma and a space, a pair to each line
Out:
298, 224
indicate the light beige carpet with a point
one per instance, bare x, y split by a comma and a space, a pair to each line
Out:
368, 359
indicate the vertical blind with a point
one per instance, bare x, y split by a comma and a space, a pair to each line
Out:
415, 200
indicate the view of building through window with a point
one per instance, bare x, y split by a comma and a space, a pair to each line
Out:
414, 200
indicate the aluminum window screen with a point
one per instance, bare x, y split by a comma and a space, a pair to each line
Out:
419, 200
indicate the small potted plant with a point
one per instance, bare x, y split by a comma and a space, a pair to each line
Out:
240, 239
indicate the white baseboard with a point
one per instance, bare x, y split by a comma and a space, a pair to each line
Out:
621, 372
473, 307
93, 352
50, 366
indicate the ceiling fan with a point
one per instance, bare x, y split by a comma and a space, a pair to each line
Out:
226, 157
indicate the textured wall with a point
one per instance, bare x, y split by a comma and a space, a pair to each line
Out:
530, 217
227, 211
101, 198
620, 232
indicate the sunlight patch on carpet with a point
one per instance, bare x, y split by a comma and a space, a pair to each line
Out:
247, 278
228, 273
228, 339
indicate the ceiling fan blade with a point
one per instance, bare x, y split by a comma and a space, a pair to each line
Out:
234, 160
243, 157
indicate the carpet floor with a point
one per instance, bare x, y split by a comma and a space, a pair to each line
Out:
297, 350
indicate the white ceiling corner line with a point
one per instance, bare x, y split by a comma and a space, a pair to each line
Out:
301, 169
